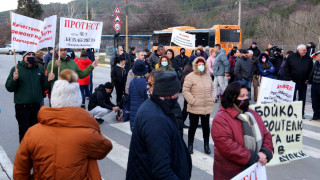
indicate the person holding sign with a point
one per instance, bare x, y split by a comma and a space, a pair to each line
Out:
239, 134
65, 62
28, 82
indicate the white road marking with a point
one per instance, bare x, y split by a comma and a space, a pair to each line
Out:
312, 123
6, 163
119, 154
311, 151
311, 134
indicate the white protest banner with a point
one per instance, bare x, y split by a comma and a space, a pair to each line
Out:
284, 122
77, 33
49, 32
275, 91
25, 32
254, 172
183, 39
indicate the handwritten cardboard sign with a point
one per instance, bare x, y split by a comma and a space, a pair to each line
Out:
254, 172
183, 39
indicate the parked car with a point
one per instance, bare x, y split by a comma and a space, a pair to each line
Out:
6, 49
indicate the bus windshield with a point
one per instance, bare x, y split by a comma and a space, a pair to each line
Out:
230, 35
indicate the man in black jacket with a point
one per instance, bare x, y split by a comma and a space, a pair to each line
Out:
314, 78
181, 60
254, 48
100, 104
255, 77
157, 149
297, 69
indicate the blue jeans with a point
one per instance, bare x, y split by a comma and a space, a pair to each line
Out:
91, 84
248, 84
84, 92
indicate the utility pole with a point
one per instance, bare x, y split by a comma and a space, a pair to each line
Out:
239, 16
87, 10
127, 26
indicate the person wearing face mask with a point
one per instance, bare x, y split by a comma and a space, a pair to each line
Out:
165, 63
266, 68
198, 91
28, 82
181, 60
239, 134
157, 147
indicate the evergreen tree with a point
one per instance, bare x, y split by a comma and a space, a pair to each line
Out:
30, 8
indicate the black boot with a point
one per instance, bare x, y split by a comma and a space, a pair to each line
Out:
190, 148
207, 148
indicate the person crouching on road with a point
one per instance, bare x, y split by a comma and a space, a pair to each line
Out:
66, 143
198, 91
100, 103
28, 82
157, 149
239, 134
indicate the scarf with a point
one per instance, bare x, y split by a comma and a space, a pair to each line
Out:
251, 132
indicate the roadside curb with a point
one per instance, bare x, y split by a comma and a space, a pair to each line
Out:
104, 65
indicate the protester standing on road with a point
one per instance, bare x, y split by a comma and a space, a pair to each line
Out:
28, 82
297, 69
221, 69
154, 57
132, 54
239, 134
137, 89
198, 91
314, 78
100, 103
254, 48
165, 63
232, 63
39, 59
48, 57
210, 63
83, 62
266, 68
281, 73
157, 149
256, 73
66, 143
119, 78
90, 52
181, 60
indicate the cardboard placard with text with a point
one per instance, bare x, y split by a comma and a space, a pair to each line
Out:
48, 36
284, 122
256, 171
183, 39
77, 33
275, 91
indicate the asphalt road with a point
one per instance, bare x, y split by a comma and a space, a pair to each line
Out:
114, 166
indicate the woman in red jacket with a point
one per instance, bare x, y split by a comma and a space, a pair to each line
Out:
239, 134
83, 62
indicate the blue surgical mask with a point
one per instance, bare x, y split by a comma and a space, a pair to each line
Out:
165, 64
198, 54
201, 68
30, 60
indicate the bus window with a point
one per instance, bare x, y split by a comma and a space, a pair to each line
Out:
162, 39
212, 39
202, 39
229, 35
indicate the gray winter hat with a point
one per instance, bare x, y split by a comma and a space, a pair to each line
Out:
166, 84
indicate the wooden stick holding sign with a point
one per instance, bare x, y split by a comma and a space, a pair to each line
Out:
59, 66
52, 60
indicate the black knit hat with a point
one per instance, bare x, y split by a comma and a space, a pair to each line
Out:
139, 68
166, 84
108, 85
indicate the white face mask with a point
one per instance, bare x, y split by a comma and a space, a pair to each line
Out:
201, 68
264, 60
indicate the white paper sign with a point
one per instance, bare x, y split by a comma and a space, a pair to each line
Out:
275, 91
254, 172
183, 39
77, 33
49, 32
284, 122
25, 32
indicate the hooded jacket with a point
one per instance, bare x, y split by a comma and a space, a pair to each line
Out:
198, 91
30, 85
221, 63
100, 98
65, 144
230, 155
264, 71
83, 63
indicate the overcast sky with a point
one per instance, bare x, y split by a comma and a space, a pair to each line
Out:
12, 4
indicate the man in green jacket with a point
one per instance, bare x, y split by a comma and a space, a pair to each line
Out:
28, 82
66, 62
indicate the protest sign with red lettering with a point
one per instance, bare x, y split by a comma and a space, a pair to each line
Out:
284, 122
25, 32
275, 91
183, 39
49, 32
254, 172
77, 33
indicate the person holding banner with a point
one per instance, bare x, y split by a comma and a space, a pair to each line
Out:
239, 134
28, 82
63, 61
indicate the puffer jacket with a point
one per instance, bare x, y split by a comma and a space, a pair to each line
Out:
221, 63
65, 144
83, 63
137, 95
230, 155
198, 91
